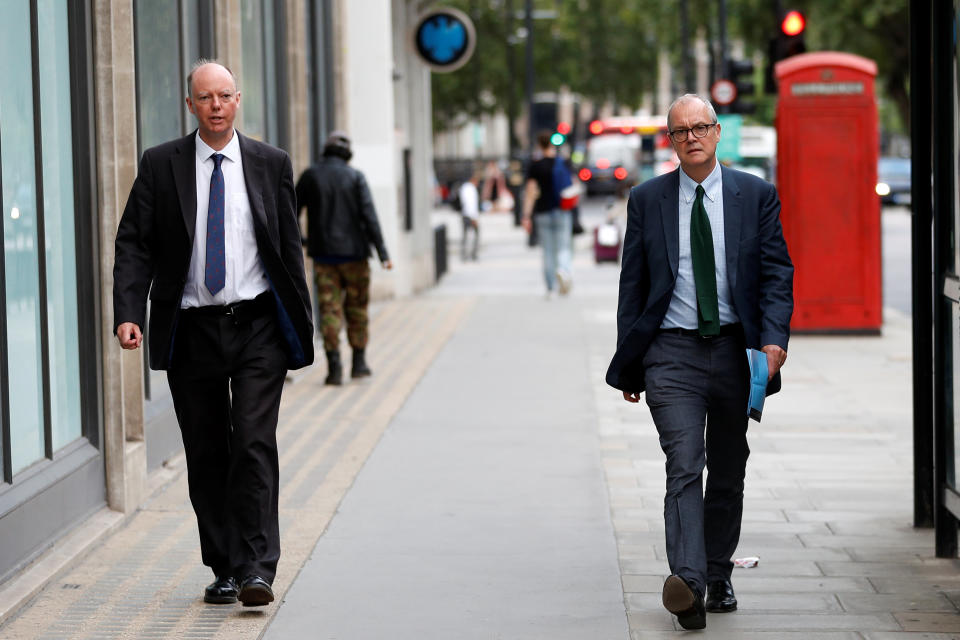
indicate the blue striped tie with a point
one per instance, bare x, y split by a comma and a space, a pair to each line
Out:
215, 272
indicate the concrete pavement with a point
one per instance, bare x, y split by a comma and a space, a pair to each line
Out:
486, 483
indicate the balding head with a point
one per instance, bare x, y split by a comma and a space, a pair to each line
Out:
202, 67
214, 99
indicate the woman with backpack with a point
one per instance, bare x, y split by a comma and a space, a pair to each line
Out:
545, 179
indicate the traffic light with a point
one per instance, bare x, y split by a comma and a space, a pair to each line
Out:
787, 42
740, 73
560, 135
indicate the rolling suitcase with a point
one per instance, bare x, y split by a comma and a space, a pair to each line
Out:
606, 243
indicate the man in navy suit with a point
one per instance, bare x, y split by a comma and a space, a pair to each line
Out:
210, 230
706, 274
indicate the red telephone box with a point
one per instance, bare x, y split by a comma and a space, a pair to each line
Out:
827, 147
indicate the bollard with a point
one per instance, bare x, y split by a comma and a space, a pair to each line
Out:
440, 250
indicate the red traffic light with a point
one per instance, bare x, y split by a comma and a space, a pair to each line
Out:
563, 128
793, 23
596, 127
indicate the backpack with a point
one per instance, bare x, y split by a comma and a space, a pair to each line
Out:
455, 201
565, 194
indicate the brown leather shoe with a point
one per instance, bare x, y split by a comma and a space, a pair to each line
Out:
682, 600
720, 597
255, 592
223, 590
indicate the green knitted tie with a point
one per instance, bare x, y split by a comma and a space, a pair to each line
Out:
704, 268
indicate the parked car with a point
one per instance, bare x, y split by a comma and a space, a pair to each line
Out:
893, 180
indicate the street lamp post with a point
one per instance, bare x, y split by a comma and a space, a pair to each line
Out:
528, 20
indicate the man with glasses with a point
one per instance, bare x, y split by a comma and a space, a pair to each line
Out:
706, 274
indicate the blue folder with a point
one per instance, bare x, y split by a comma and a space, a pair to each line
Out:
758, 383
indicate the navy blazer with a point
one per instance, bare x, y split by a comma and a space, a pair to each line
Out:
759, 269
156, 234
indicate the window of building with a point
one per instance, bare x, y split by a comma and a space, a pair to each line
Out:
320, 75
262, 80
49, 323
40, 399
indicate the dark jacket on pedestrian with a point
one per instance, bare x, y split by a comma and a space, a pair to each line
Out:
341, 220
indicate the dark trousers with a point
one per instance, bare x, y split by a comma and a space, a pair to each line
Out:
226, 378
697, 393
471, 226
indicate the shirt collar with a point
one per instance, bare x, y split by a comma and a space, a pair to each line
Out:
711, 186
231, 151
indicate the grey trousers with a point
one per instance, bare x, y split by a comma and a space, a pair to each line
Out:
697, 393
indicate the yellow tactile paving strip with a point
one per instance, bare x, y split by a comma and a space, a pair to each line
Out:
146, 580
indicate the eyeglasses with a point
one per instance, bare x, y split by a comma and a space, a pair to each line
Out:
698, 131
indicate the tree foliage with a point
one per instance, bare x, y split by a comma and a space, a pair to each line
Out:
606, 50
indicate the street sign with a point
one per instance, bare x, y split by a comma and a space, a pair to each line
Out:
444, 39
728, 149
723, 92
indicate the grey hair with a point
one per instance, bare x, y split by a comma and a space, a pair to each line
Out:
203, 62
688, 97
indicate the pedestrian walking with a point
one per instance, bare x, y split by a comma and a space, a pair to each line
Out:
470, 213
705, 275
210, 231
341, 226
542, 212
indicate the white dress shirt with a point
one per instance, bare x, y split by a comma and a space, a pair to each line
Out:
469, 200
245, 277
683, 305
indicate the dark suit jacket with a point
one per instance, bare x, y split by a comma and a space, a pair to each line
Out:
758, 268
156, 235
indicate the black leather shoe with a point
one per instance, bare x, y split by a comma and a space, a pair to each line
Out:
720, 597
223, 590
255, 592
684, 601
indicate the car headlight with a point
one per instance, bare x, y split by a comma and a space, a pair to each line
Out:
883, 189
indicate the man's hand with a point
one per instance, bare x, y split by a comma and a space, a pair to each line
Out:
631, 397
775, 359
387, 264
129, 335
527, 224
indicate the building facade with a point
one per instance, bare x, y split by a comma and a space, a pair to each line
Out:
82, 423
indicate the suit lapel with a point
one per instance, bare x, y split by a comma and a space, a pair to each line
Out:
184, 165
669, 216
253, 177
732, 215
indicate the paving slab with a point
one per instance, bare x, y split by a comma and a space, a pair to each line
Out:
480, 514
714, 634
862, 602
933, 622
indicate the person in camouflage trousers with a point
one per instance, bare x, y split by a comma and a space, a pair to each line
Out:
343, 291
341, 227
